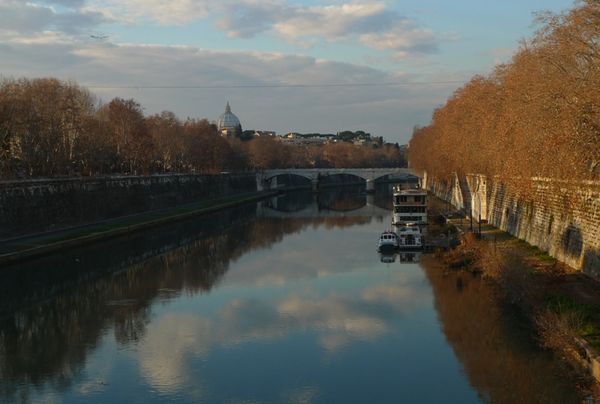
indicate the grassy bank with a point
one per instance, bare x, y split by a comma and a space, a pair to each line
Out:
561, 304
36, 245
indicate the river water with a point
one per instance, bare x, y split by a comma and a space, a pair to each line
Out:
284, 301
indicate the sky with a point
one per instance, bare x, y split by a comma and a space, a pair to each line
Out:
284, 65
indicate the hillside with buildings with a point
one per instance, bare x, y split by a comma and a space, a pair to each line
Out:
54, 128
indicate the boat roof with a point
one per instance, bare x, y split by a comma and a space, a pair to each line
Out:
410, 191
410, 229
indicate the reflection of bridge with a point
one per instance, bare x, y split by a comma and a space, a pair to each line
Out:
314, 210
268, 179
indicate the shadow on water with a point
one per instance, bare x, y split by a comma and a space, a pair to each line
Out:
54, 310
340, 198
343, 199
346, 198
494, 343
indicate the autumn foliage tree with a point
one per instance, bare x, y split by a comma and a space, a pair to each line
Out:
41, 125
52, 128
537, 116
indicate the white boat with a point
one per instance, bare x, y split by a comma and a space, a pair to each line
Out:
410, 206
388, 241
410, 237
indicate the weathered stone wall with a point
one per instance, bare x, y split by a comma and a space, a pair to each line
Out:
39, 205
560, 217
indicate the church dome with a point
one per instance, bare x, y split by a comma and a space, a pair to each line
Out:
228, 120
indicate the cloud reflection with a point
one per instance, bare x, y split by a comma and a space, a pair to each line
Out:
169, 341
336, 320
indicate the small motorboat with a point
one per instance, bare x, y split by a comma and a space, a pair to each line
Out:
410, 237
388, 241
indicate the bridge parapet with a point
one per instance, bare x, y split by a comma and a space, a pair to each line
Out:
264, 178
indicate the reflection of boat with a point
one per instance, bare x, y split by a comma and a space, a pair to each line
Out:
413, 256
403, 257
388, 241
387, 258
410, 206
410, 237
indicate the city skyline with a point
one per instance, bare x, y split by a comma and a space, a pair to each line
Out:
305, 66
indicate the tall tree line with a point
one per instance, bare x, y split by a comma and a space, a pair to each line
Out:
537, 116
53, 128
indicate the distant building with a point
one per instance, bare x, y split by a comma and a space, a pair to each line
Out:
264, 133
308, 138
228, 124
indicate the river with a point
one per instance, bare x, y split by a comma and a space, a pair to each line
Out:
283, 301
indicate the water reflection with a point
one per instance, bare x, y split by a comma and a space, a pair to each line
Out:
493, 343
403, 257
54, 311
242, 306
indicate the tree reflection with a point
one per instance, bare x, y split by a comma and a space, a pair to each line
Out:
54, 311
494, 346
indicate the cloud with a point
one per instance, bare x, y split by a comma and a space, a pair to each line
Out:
64, 3
373, 23
334, 22
376, 25
172, 12
405, 39
20, 19
248, 18
389, 111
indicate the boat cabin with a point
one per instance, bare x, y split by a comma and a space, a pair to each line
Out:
410, 206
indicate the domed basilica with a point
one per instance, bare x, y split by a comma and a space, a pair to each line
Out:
228, 124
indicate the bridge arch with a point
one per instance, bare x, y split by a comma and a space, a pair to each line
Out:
265, 177
329, 178
288, 178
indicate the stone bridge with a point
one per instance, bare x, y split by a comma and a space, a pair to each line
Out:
267, 179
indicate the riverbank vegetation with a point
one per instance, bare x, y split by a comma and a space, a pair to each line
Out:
536, 116
561, 306
53, 128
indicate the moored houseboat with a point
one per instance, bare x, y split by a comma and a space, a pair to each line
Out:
410, 206
410, 237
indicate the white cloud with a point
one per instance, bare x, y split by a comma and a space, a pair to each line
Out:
247, 18
65, 3
20, 20
334, 22
372, 24
406, 38
171, 12
384, 111
376, 25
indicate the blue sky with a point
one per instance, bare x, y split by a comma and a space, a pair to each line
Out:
122, 47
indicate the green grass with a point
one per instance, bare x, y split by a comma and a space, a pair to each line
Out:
534, 250
589, 328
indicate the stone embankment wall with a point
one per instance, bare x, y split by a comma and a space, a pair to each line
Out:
40, 205
560, 217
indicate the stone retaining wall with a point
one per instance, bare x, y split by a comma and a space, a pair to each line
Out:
46, 204
560, 217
